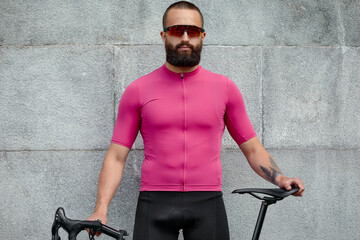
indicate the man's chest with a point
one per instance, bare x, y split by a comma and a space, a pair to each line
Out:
183, 105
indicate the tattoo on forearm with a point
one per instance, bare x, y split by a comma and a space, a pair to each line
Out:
272, 172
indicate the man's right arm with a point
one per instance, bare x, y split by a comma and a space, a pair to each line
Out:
109, 180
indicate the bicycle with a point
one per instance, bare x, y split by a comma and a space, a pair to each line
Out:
74, 227
276, 194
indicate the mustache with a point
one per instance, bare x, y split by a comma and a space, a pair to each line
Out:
184, 44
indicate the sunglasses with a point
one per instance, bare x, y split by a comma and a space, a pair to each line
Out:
178, 30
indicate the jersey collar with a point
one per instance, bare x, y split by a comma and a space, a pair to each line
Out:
187, 74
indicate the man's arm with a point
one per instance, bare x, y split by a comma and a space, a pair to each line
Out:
109, 180
264, 165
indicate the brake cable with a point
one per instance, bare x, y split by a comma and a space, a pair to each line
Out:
91, 235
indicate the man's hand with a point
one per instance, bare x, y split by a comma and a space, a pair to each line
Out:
97, 216
288, 183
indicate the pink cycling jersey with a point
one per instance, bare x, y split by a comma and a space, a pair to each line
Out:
181, 118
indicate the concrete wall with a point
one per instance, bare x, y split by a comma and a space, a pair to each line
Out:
63, 68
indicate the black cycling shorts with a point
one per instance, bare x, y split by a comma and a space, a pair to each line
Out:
201, 216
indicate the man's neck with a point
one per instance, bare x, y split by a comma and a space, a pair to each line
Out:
180, 69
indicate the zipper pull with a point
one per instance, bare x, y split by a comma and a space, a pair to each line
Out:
182, 75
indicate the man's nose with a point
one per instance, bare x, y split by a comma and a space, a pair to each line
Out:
185, 36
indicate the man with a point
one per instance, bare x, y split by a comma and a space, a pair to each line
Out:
181, 111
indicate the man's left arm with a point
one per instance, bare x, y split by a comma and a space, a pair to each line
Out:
264, 165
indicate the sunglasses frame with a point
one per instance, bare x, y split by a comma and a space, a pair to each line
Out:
202, 30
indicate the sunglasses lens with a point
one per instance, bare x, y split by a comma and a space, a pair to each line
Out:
193, 31
178, 30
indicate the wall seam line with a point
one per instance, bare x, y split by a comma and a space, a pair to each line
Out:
341, 24
205, 45
113, 85
262, 95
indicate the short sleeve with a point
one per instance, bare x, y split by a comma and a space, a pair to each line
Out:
236, 118
128, 119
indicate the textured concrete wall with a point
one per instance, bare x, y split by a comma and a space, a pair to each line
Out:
63, 68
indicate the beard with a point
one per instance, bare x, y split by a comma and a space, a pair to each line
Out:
179, 58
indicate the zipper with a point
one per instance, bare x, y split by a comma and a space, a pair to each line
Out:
184, 93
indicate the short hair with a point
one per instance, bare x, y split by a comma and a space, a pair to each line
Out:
183, 5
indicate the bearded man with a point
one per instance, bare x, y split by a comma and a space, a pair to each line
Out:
181, 110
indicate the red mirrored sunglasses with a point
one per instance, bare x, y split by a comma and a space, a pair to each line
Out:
178, 30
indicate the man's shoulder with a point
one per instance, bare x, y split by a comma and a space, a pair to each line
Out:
157, 71
214, 75
146, 78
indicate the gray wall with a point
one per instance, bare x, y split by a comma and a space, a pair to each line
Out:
64, 65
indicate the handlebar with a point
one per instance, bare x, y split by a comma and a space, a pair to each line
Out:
74, 227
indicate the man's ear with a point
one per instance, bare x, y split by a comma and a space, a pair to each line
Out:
203, 35
163, 35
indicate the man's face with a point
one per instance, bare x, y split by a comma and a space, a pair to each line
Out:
183, 51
